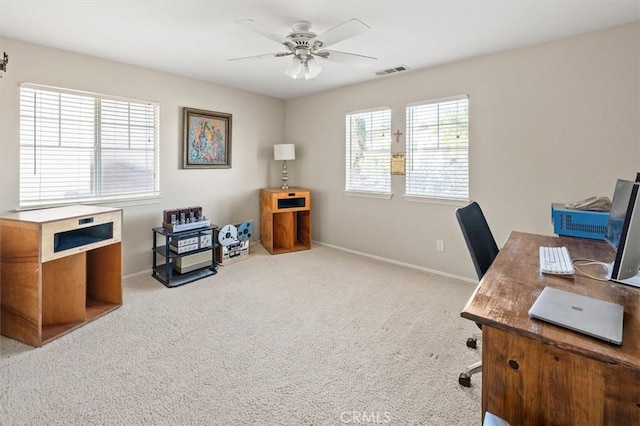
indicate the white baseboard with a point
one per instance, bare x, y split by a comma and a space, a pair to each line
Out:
135, 274
396, 262
382, 259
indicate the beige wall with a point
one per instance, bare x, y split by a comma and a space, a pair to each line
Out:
555, 122
226, 195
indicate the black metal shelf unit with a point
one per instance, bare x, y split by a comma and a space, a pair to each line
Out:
165, 271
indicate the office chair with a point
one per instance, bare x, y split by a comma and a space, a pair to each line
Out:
483, 249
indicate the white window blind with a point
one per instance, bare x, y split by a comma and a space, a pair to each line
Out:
368, 151
82, 147
438, 149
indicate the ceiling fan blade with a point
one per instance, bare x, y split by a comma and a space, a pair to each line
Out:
341, 32
263, 56
257, 27
347, 58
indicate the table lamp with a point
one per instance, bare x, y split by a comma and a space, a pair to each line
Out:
284, 152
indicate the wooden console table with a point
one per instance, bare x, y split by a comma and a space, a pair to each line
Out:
537, 373
285, 219
60, 268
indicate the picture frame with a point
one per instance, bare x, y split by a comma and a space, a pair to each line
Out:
398, 163
206, 139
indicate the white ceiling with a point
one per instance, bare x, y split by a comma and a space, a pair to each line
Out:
195, 38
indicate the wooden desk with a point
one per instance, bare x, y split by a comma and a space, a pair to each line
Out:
538, 373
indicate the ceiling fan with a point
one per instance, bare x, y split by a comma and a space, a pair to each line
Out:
305, 46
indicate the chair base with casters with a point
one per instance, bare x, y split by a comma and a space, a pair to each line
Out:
472, 342
483, 250
465, 378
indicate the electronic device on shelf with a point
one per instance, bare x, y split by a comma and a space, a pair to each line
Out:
192, 262
184, 219
623, 232
191, 242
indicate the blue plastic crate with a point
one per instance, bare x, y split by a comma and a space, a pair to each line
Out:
578, 223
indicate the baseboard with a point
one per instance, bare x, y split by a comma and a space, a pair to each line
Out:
382, 259
135, 274
396, 262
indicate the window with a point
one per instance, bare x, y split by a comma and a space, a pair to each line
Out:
438, 149
83, 147
368, 149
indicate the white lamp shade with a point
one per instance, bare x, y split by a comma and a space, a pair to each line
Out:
285, 151
295, 68
313, 69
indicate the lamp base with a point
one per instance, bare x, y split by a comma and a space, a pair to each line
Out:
285, 178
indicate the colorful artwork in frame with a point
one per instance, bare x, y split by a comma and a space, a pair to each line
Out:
207, 139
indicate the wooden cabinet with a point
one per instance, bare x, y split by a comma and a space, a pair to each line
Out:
285, 219
60, 268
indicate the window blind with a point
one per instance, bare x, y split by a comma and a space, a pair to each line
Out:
368, 151
438, 148
82, 147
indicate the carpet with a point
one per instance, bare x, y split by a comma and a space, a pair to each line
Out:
318, 337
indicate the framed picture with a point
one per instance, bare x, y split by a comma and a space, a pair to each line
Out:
207, 139
397, 163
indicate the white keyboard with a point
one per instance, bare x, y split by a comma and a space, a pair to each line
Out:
556, 260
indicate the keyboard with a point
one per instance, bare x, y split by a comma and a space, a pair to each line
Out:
556, 260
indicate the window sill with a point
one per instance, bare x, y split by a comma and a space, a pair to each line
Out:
432, 200
124, 202
379, 195
131, 201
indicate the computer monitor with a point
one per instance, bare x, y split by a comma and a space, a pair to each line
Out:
623, 232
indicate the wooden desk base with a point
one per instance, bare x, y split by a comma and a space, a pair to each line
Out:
532, 383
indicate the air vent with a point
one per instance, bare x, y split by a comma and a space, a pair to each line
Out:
399, 68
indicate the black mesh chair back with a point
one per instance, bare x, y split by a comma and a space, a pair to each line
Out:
480, 242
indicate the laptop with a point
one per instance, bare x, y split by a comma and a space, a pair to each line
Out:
586, 315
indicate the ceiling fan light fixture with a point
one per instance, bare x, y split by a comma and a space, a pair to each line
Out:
312, 69
295, 69
306, 46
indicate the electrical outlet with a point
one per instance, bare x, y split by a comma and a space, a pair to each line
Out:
440, 245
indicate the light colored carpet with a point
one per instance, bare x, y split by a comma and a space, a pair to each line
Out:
320, 337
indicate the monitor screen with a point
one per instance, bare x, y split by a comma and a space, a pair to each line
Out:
623, 230
619, 206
